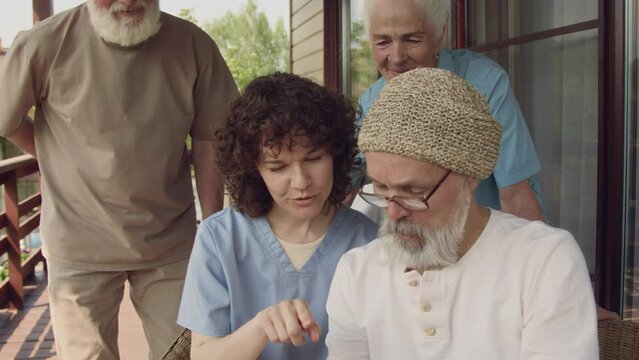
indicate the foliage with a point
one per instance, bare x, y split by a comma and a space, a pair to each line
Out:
4, 270
187, 14
249, 44
363, 68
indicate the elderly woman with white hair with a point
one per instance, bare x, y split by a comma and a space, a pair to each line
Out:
408, 34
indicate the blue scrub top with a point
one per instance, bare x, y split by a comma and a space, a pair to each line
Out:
517, 159
238, 267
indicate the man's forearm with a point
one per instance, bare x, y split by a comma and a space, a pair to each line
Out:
24, 137
208, 180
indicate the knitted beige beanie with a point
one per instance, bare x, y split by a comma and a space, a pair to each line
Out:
433, 115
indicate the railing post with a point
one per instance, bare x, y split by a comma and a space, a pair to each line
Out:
11, 202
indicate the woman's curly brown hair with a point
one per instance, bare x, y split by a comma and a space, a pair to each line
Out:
271, 108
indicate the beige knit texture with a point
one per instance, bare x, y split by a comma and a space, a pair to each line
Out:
433, 115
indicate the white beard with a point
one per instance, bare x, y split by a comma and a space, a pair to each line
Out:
435, 248
123, 32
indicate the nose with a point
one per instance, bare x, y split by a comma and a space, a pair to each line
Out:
300, 179
396, 212
397, 53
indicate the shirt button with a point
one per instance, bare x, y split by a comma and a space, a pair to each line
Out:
426, 307
430, 332
412, 282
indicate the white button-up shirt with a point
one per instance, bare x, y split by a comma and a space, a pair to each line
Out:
521, 292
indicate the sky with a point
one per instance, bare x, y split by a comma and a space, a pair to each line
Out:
15, 15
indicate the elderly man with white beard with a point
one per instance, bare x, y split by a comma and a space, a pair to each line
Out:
117, 87
448, 279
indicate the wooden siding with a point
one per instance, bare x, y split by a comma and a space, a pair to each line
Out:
308, 47
310, 63
317, 76
307, 39
312, 27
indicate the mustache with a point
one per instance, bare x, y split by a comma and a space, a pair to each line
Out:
430, 246
403, 226
119, 7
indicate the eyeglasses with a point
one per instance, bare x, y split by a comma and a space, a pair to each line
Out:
407, 202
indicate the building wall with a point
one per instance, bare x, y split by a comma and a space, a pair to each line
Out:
307, 39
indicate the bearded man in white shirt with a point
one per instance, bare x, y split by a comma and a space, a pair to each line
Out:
448, 279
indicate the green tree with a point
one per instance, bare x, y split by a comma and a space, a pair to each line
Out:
249, 44
187, 14
363, 68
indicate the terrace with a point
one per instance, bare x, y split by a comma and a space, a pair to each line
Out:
25, 325
315, 34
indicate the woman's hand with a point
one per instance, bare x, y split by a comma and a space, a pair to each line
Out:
287, 321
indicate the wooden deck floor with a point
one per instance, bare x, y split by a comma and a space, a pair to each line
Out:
28, 334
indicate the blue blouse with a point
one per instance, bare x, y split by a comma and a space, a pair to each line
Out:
238, 267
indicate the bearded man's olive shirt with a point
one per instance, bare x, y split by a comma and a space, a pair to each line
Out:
110, 130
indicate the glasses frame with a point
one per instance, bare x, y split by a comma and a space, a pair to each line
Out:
400, 199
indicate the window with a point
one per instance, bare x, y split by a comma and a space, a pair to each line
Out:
358, 68
498, 20
555, 79
631, 244
568, 65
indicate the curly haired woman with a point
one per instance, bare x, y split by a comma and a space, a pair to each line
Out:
260, 271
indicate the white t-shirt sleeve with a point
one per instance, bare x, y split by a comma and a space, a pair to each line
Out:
559, 312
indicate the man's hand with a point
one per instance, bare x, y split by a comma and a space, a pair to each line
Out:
208, 180
603, 314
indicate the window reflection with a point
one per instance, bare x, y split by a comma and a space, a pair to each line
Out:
555, 81
361, 71
631, 266
494, 20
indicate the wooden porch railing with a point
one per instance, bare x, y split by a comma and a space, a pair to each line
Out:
12, 288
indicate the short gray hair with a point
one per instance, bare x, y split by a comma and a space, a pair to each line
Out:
434, 12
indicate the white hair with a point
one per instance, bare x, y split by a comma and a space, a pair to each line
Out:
435, 12
123, 32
